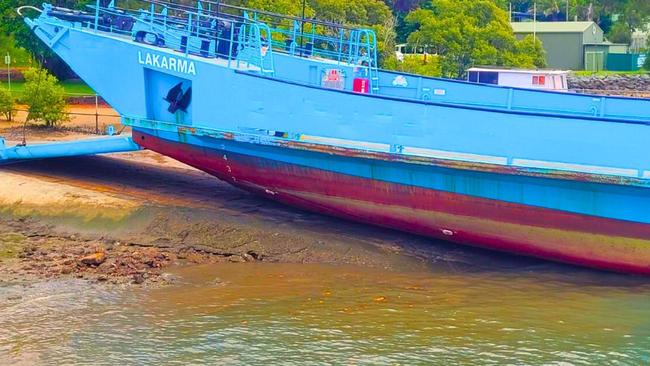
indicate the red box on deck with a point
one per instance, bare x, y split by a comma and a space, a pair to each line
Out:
361, 85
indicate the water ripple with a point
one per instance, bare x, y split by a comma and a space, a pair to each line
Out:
314, 315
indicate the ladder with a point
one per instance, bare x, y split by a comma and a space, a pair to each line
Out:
363, 53
255, 47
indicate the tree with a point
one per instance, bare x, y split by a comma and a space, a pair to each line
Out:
428, 65
44, 97
464, 33
633, 13
374, 14
7, 104
361, 13
620, 33
285, 7
528, 53
13, 25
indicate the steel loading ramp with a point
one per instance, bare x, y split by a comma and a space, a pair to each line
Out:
61, 149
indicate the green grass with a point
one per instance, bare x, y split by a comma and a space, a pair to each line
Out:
10, 245
71, 87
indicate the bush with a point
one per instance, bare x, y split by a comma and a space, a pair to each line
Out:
646, 65
44, 97
7, 104
427, 65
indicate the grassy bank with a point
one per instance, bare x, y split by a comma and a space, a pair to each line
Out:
71, 87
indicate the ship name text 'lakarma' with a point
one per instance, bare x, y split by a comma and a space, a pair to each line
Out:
167, 63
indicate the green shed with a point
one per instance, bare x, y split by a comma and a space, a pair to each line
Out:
568, 45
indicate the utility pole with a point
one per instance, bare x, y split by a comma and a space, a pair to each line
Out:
535, 21
302, 25
8, 62
567, 10
96, 114
510, 13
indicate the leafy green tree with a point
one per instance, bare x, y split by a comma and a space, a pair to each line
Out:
428, 65
7, 104
528, 53
45, 98
374, 14
620, 33
12, 24
464, 33
19, 56
633, 13
361, 13
288, 7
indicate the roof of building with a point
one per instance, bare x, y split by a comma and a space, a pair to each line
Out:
605, 43
551, 27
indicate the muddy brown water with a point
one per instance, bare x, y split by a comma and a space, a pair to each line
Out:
271, 313
327, 291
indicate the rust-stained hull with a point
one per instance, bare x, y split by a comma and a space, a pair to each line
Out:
595, 242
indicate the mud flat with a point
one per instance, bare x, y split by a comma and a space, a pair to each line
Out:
139, 213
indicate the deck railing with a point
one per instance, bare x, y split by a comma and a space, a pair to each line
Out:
216, 30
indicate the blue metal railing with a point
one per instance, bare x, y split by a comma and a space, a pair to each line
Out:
255, 47
205, 30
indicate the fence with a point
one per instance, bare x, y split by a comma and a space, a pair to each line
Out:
88, 114
623, 62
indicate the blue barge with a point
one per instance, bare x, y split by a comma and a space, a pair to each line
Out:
299, 111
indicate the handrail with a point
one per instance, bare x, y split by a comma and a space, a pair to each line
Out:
205, 32
330, 47
242, 9
20, 9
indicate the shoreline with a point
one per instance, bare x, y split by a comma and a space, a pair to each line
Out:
142, 213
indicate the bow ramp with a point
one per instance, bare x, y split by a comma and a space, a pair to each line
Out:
91, 146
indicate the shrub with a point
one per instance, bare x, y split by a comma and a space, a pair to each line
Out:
45, 98
427, 65
646, 65
7, 104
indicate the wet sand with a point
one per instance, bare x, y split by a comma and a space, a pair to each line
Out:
145, 200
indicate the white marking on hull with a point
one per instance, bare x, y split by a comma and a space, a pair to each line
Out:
452, 155
592, 169
372, 146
